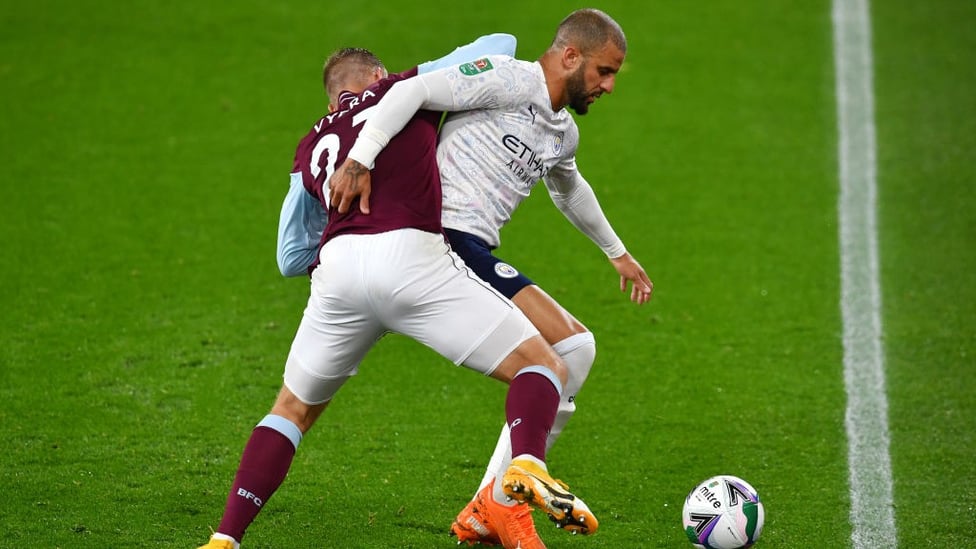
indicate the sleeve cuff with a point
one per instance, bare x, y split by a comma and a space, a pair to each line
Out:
615, 250
368, 147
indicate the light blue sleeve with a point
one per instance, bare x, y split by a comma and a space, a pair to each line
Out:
300, 227
490, 44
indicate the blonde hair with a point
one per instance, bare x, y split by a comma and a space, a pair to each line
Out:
348, 66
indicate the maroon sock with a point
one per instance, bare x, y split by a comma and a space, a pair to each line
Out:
530, 408
264, 464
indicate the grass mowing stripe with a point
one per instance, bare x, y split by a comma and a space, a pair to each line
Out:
872, 517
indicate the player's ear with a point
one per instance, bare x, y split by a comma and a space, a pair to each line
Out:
572, 58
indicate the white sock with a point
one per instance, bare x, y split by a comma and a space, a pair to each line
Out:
499, 461
578, 351
218, 535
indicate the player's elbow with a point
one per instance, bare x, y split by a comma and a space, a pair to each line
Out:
504, 43
289, 265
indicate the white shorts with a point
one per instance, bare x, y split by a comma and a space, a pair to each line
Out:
405, 281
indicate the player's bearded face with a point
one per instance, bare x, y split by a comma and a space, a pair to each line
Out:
579, 98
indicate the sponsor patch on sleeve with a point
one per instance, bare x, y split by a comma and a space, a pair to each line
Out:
476, 67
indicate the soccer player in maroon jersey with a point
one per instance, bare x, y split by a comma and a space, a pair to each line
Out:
509, 128
389, 269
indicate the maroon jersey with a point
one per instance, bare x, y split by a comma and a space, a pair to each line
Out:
406, 186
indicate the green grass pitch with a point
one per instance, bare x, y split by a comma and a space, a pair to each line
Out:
144, 152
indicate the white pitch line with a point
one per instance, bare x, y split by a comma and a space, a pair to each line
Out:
872, 515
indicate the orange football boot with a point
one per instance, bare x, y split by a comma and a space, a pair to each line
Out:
528, 482
488, 522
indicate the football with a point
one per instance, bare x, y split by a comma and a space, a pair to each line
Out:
723, 512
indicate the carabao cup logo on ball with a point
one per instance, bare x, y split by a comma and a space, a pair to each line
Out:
723, 512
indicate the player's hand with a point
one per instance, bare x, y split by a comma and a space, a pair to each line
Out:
352, 179
631, 272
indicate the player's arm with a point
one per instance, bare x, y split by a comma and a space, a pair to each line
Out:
302, 218
431, 91
489, 44
439, 90
391, 114
300, 227
574, 197
464, 87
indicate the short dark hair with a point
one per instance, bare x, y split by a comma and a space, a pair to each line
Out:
347, 64
589, 29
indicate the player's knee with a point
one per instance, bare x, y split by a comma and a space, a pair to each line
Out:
544, 355
532, 352
291, 407
581, 345
578, 352
562, 372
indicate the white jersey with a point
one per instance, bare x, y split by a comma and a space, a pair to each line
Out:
500, 138
491, 158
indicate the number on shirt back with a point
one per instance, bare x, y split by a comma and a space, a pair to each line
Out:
329, 144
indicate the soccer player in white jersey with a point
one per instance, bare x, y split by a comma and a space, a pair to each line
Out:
391, 270
508, 129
